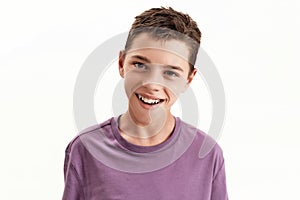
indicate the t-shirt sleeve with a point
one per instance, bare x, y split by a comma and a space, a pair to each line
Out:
73, 188
219, 191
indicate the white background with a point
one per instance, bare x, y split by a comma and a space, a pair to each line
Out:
253, 44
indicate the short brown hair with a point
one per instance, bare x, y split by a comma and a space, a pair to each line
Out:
164, 24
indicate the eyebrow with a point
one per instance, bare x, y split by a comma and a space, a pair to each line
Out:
174, 67
145, 59
141, 58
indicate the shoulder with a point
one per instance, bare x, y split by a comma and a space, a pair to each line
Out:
76, 144
207, 144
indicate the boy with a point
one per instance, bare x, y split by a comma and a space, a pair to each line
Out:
147, 153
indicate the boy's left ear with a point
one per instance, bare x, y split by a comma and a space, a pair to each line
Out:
192, 75
190, 78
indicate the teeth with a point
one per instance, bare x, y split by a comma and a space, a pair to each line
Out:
148, 101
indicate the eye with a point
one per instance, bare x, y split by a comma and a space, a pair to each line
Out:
140, 66
171, 74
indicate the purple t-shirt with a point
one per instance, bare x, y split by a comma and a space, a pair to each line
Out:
101, 165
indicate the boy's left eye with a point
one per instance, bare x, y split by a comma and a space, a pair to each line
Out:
171, 74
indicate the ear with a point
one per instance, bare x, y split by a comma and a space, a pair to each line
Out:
121, 63
192, 75
190, 79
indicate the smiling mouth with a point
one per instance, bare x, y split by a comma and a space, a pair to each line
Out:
149, 101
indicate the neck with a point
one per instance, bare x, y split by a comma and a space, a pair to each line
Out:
152, 134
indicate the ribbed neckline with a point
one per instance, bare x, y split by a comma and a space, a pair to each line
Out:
144, 149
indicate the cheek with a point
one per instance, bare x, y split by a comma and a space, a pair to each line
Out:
131, 83
172, 97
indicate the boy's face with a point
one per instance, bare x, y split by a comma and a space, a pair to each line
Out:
155, 73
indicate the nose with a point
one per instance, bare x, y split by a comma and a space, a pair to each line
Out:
154, 80
154, 87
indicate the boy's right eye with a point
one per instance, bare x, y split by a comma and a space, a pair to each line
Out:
140, 66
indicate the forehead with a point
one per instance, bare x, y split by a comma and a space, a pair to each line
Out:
171, 52
144, 42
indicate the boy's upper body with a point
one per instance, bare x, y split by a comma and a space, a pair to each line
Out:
147, 153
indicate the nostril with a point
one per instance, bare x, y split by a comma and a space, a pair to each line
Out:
153, 86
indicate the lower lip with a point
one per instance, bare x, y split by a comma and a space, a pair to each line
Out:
147, 106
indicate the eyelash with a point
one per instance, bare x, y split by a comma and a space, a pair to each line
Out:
143, 66
173, 74
137, 64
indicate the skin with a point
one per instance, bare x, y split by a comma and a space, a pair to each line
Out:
141, 119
